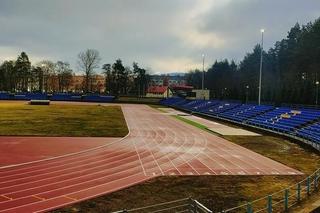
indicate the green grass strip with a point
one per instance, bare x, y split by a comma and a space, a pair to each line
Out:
195, 124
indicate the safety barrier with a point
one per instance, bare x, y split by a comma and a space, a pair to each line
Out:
282, 200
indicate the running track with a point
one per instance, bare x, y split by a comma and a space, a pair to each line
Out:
156, 145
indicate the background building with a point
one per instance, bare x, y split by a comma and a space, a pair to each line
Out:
96, 84
159, 92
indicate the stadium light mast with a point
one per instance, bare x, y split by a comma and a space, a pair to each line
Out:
43, 66
202, 72
247, 94
317, 91
261, 60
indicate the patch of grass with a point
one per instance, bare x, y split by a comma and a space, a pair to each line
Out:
156, 106
216, 192
281, 150
193, 123
61, 120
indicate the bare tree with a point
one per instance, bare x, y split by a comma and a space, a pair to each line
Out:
64, 74
88, 61
49, 80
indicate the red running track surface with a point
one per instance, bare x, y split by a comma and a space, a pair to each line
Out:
156, 145
16, 150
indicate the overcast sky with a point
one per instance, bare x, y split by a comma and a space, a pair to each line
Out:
163, 35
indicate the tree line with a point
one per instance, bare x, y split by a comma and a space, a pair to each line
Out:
47, 76
290, 71
20, 76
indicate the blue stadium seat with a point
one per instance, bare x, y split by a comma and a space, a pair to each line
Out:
303, 123
217, 109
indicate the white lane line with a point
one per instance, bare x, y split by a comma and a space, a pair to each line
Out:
63, 156
39, 198
63, 166
119, 160
83, 153
80, 177
237, 164
177, 155
239, 150
141, 137
182, 147
199, 157
70, 194
150, 150
251, 155
6, 197
133, 163
188, 150
144, 171
72, 168
206, 147
162, 141
40, 194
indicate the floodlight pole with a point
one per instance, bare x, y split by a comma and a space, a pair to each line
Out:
317, 91
42, 70
260, 73
247, 94
202, 72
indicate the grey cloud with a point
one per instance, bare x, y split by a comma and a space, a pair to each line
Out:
144, 30
239, 21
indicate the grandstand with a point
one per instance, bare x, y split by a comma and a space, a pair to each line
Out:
298, 123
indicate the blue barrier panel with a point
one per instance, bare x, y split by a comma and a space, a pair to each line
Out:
97, 98
36, 96
4, 96
61, 97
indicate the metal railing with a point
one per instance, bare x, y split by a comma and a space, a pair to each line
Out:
178, 206
282, 200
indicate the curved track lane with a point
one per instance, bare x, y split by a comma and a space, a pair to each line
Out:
156, 145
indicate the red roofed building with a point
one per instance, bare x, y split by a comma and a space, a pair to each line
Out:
159, 92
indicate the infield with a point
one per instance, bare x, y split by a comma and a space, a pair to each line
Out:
20, 119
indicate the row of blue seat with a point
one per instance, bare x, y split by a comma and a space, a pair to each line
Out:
298, 122
245, 112
310, 132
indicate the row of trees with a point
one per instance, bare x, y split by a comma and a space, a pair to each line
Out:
118, 78
290, 71
47, 76
20, 75
124, 80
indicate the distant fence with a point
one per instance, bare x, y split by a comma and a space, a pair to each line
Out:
280, 201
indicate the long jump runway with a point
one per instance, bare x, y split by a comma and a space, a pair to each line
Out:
157, 145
